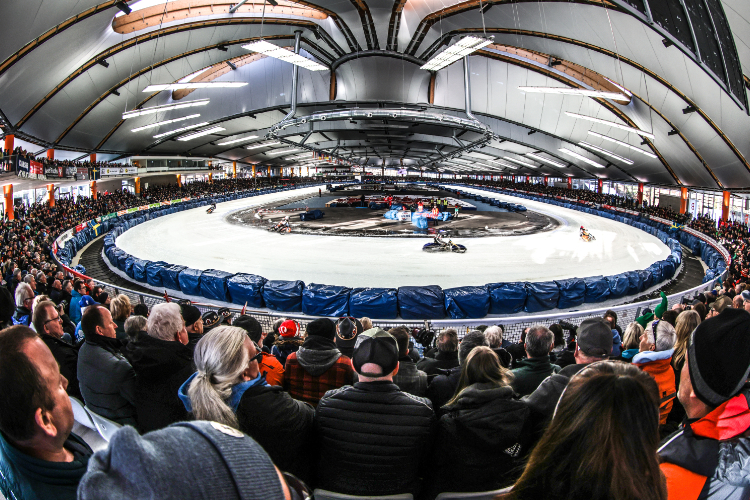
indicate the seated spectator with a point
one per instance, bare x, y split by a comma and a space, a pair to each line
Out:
367, 323
24, 298
671, 316
443, 387
269, 366
706, 458
141, 310
611, 317
40, 458
106, 378
631, 341
718, 306
162, 363
738, 302
746, 300
655, 358
79, 290
229, 388
607, 402
347, 330
537, 366
560, 355
189, 460
494, 336
479, 434
85, 302
446, 356
56, 292
193, 324
48, 324
7, 307
135, 328
517, 351
288, 342
120, 309
318, 366
373, 438
409, 378
30, 280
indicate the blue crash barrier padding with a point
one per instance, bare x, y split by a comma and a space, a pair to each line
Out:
656, 274
128, 266
507, 298
635, 283
597, 289
467, 302
542, 296
153, 273
667, 269
189, 280
646, 279
311, 215
421, 302
572, 292
122, 260
618, 285
170, 275
139, 270
325, 300
246, 288
214, 285
283, 295
420, 222
391, 214
380, 303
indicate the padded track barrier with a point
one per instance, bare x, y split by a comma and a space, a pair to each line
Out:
373, 303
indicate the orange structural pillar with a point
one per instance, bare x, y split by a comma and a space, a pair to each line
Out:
8, 193
640, 193
92, 157
210, 178
725, 205
546, 180
570, 183
179, 180
234, 169
527, 179
253, 170
137, 185
9, 142
51, 193
92, 186
599, 186
50, 154
683, 200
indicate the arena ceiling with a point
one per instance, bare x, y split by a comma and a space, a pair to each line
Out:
69, 70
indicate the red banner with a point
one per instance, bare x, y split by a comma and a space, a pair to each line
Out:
36, 168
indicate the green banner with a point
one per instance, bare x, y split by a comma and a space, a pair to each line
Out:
131, 210
154, 205
176, 201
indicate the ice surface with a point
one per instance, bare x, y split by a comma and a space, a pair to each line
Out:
202, 241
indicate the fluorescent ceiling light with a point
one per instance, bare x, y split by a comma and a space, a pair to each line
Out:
632, 130
647, 153
163, 107
605, 152
277, 52
238, 140
463, 47
582, 158
502, 163
193, 75
275, 152
189, 127
198, 85
545, 160
298, 157
165, 122
569, 91
200, 134
520, 162
256, 146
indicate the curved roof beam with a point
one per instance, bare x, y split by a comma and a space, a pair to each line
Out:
601, 50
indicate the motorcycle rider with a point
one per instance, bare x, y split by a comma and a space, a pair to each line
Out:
284, 224
211, 208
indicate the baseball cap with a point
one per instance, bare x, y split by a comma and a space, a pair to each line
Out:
745, 295
378, 347
190, 313
288, 328
86, 301
594, 337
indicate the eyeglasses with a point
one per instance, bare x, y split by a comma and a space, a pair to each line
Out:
653, 327
258, 356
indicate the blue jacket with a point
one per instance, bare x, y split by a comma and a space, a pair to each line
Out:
75, 307
26, 478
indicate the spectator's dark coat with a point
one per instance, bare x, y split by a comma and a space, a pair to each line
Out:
316, 368
444, 360
66, 356
409, 378
531, 372
443, 387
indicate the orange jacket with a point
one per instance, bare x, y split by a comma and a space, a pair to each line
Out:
272, 370
658, 364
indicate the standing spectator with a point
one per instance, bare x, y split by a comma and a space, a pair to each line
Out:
56, 292
106, 378
162, 363
446, 356
443, 387
40, 458
481, 424
193, 324
318, 366
603, 436
230, 389
705, 459
24, 299
289, 341
494, 336
631, 341
374, 439
347, 330
269, 366
655, 358
48, 324
367, 323
120, 309
537, 366
79, 290
409, 378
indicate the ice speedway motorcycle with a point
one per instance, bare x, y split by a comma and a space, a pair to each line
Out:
586, 236
211, 209
282, 227
438, 245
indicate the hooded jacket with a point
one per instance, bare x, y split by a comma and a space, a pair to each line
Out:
658, 364
317, 367
283, 347
478, 440
22, 316
707, 459
75, 307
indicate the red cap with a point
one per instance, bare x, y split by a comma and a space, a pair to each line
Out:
288, 328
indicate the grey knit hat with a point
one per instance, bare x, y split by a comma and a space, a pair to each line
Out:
187, 460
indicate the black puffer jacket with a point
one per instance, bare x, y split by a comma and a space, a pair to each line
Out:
444, 360
478, 440
373, 439
107, 380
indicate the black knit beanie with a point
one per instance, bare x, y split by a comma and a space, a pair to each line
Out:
719, 356
321, 327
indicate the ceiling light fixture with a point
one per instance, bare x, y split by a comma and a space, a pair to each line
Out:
298, 157
200, 133
196, 85
231, 65
463, 47
159, 124
277, 52
569, 91
256, 146
276, 152
123, 7
545, 160
502, 163
582, 158
605, 152
520, 162
189, 127
241, 139
163, 107
606, 138
632, 130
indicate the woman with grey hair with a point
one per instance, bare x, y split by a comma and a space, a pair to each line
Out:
135, 327
229, 388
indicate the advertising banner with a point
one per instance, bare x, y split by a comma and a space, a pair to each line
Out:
22, 167
119, 171
50, 171
82, 173
36, 168
70, 171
